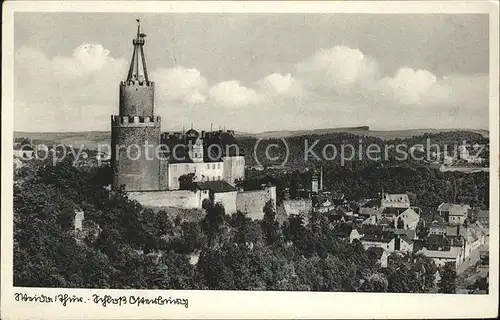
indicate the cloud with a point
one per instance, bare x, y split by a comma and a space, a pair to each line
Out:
338, 86
278, 84
336, 68
181, 84
416, 88
233, 94
66, 91
86, 59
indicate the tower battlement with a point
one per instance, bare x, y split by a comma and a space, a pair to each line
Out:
135, 121
142, 83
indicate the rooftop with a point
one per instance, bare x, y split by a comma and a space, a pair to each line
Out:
384, 236
451, 207
369, 211
217, 186
396, 198
393, 211
411, 234
448, 254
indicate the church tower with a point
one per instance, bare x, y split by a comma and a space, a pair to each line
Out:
135, 132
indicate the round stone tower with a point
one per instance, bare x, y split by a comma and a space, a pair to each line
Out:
135, 132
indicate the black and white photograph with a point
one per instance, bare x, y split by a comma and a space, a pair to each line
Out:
165, 151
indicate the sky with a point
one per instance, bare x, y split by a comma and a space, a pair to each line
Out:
255, 72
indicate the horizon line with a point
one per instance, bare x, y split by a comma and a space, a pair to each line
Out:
360, 128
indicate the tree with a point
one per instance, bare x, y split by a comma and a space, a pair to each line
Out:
269, 224
422, 230
186, 182
294, 185
376, 282
213, 222
447, 283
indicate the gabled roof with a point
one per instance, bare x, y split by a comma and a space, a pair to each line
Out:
384, 220
448, 254
369, 203
383, 236
410, 234
438, 225
393, 211
453, 230
454, 208
402, 197
435, 240
217, 186
410, 213
444, 206
363, 211
405, 238
459, 209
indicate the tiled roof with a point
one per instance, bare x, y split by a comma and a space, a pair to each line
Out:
369, 203
448, 254
456, 209
410, 212
384, 236
435, 240
411, 234
403, 197
444, 206
217, 186
452, 230
369, 211
406, 239
384, 220
393, 211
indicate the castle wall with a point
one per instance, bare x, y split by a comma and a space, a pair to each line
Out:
228, 200
137, 98
234, 169
252, 202
299, 206
133, 158
179, 198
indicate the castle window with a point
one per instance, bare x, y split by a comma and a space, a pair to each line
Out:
208, 165
213, 166
218, 177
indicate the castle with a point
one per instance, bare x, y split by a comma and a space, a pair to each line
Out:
150, 164
145, 159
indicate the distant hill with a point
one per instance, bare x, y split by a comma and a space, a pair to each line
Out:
91, 139
362, 131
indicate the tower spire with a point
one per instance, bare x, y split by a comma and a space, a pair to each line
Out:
134, 71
